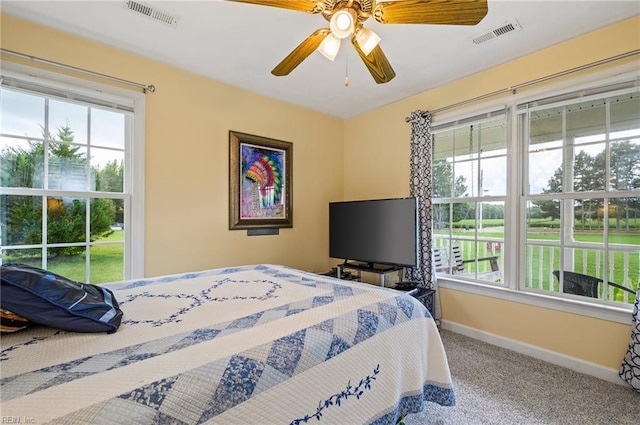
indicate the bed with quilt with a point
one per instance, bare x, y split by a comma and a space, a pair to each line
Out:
261, 344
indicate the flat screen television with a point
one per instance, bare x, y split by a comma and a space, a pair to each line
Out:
377, 231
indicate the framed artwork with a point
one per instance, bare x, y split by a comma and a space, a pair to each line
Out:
260, 171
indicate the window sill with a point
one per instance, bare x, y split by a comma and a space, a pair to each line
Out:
617, 314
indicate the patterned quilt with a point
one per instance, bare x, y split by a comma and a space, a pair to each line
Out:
258, 344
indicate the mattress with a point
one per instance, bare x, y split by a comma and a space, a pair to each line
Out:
260, 344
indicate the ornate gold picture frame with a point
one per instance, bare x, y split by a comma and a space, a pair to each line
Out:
260, 172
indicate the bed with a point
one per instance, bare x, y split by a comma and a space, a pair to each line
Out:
262, 344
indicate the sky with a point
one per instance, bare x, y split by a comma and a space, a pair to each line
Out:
22, 114
544, 160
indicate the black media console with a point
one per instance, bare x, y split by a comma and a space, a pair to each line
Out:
380, 269
424, 295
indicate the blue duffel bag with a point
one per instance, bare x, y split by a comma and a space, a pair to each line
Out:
52, 300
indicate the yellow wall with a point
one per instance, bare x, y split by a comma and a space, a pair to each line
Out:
187, 171
597, 341
187, 124
380, 141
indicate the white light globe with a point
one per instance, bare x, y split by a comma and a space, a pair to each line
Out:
367, 40
330, 47
342, 23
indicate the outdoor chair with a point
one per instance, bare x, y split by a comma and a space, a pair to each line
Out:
459, 262
457, 266
438, 264
584, 285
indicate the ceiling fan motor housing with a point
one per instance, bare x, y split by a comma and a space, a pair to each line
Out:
362, 8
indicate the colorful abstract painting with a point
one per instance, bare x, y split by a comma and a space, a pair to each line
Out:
260, 182
262, 186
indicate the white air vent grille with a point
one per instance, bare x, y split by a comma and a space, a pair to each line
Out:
151, 12
506, 28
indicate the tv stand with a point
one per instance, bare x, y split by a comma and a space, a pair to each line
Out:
380, 269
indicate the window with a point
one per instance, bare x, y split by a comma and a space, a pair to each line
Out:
469, 190
566, 224
66, 179
582, 195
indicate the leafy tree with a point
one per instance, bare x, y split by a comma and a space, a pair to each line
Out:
625, 175
64, 149
22, 167
625, 165
442, 179
492, 211
111, 179
24, 220
18, 166
551, 209
444, 186
589, 174
534, 212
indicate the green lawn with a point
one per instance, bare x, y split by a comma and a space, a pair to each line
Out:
594, 225
106, 262
586, 259
487, 222
542, 260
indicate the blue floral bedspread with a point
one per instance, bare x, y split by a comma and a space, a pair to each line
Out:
258, 344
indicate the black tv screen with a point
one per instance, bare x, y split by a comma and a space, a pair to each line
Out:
382, 231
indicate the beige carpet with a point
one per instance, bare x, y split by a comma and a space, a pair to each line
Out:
498, 386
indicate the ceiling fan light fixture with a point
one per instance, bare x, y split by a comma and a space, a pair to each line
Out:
330, 47
367, 40
342, 23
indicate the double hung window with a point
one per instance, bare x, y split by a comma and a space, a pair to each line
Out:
582, 194
469, 189
567, 224
66, 179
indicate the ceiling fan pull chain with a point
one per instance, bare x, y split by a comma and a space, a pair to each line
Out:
346, 72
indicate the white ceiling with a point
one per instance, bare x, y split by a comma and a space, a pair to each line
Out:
240, 44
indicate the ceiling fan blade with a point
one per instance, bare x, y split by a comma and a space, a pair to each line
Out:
377, 63
309, 6
447, 12
300, 53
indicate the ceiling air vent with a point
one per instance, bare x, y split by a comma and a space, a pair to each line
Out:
151, 12
510, 26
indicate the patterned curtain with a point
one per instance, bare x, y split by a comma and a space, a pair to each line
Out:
630, 369
420, 187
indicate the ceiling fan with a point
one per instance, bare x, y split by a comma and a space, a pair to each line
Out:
346, 19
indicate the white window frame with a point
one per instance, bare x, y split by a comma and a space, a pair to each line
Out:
478, 198
511, 289
563, 243
134, 161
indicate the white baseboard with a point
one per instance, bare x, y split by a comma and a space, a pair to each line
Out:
588, 368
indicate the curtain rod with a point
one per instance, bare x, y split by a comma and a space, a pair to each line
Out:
513, 89
145, 88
